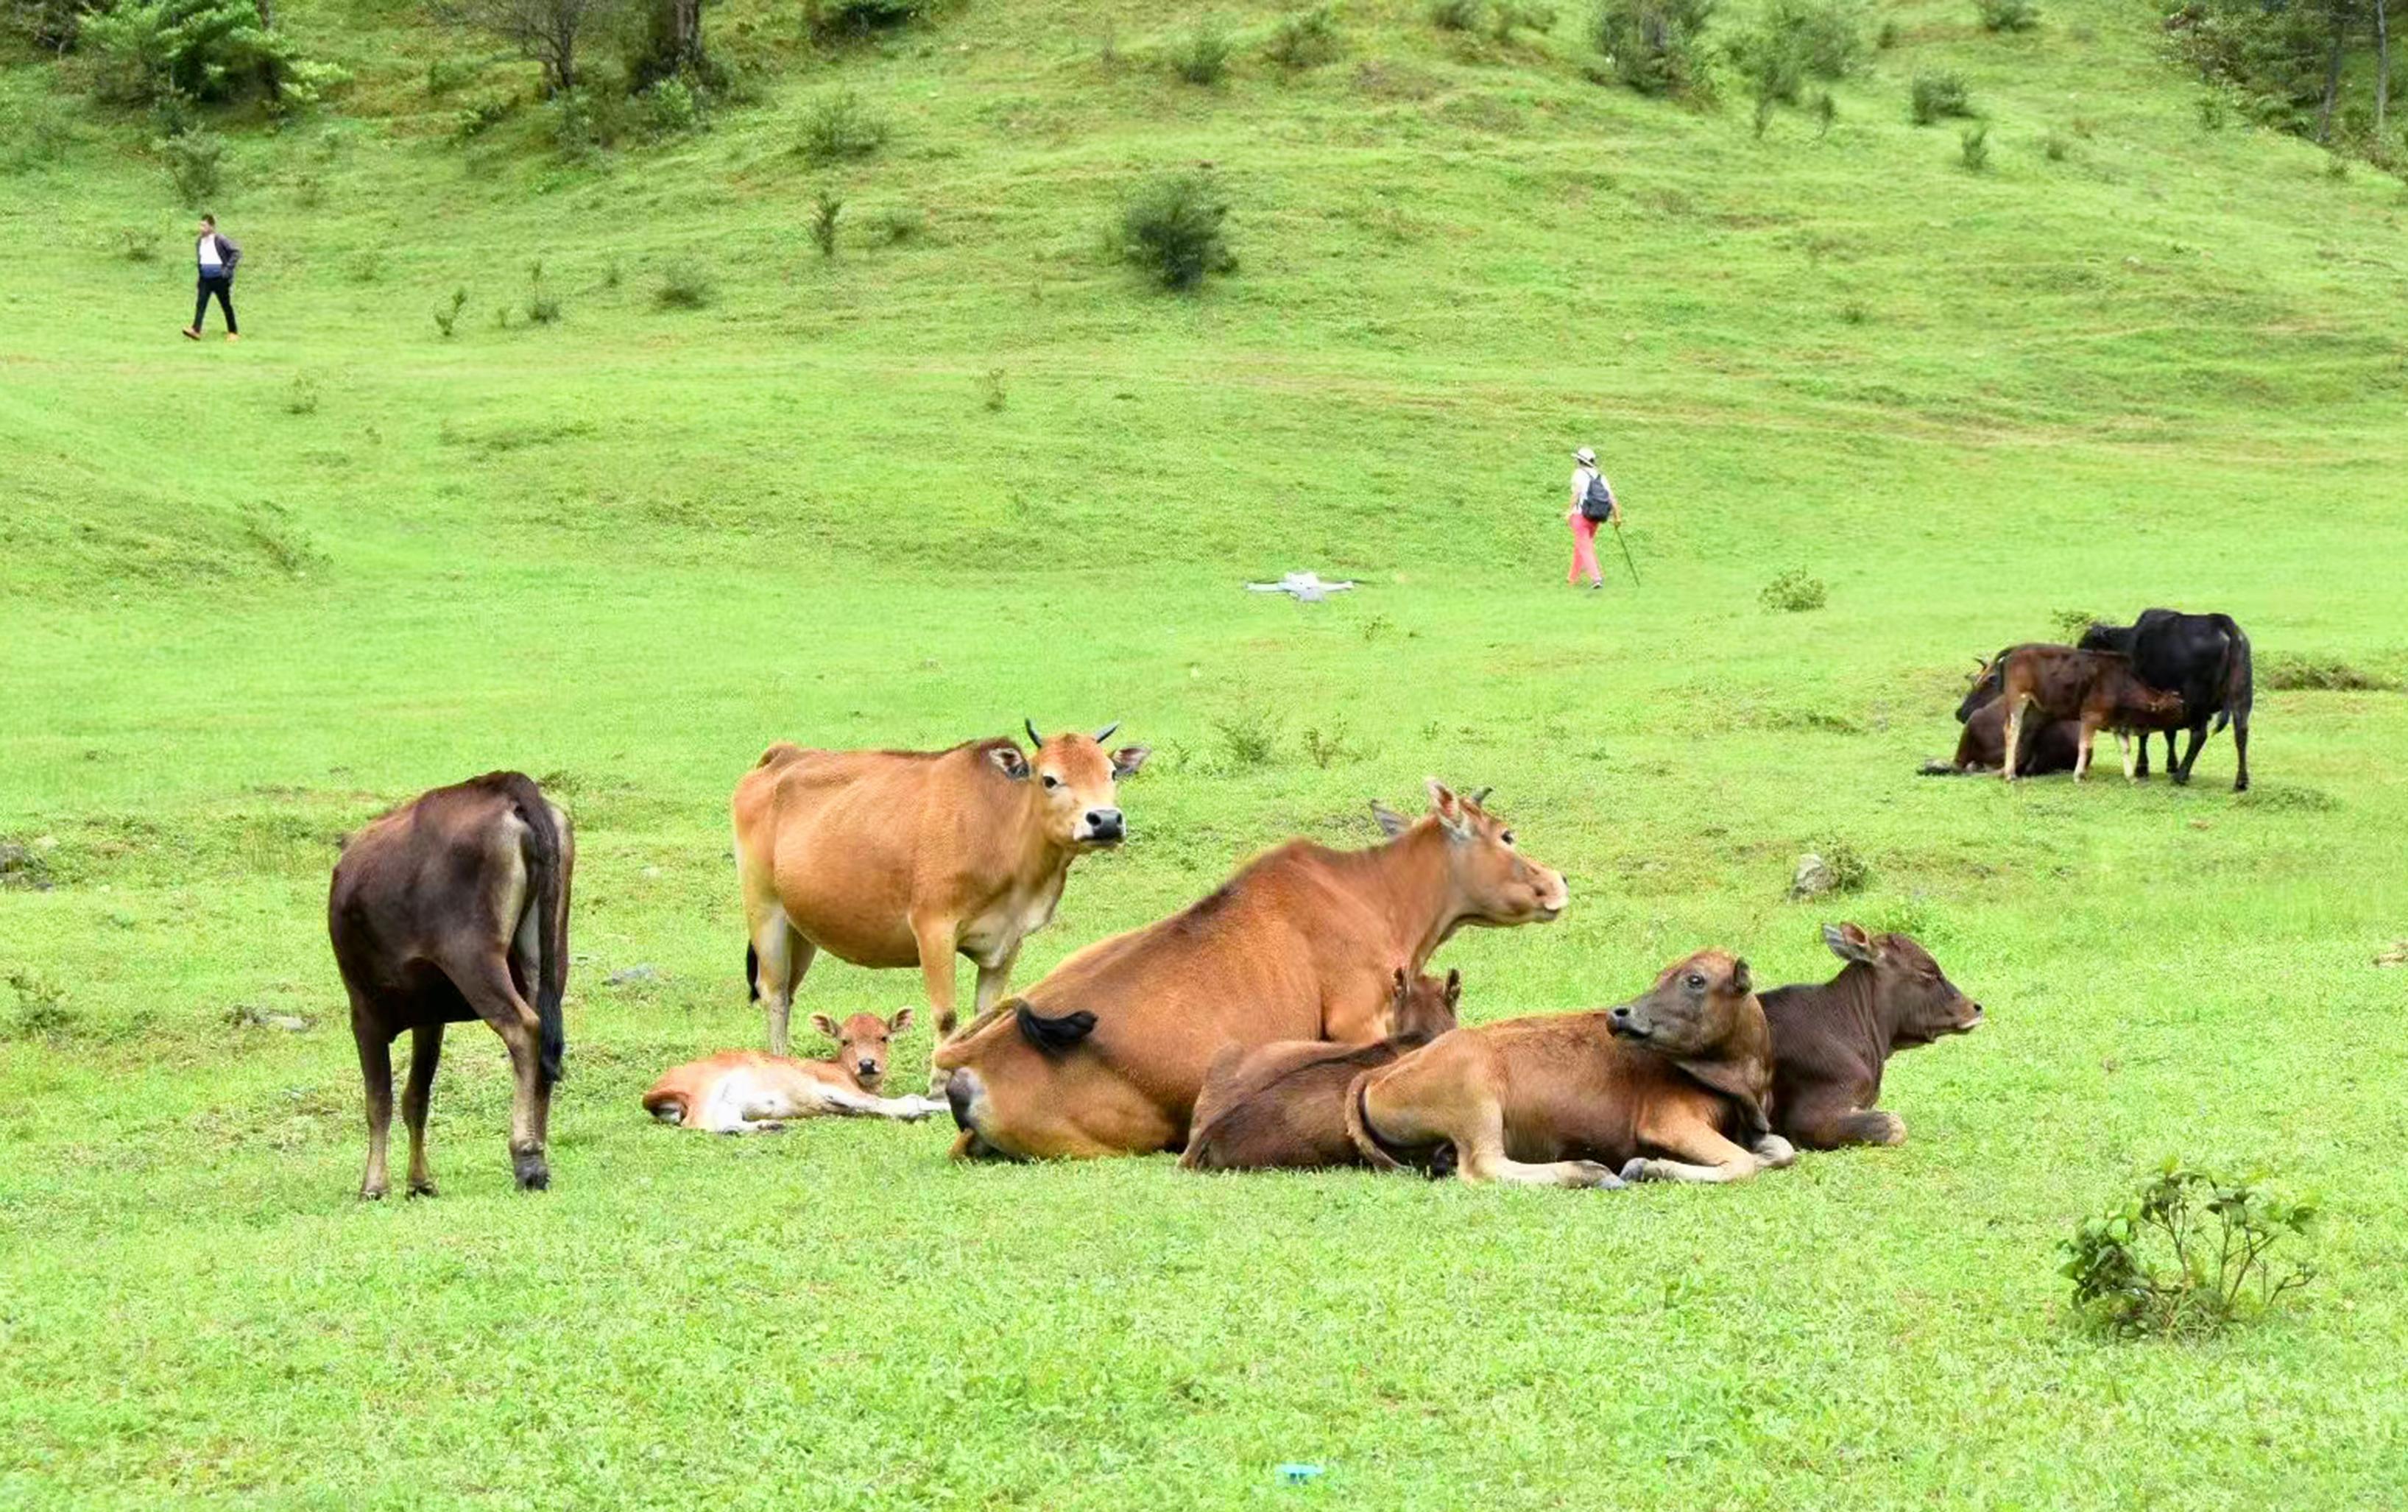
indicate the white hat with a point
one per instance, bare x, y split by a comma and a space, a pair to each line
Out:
1585, 457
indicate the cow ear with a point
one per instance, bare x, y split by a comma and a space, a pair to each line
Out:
1391, 822
1453, 987
1400, 983
1742, 982
1449, 807
1126, 760
1008, 761
826, 1025
1850, 943
901, 1022
1747, 1083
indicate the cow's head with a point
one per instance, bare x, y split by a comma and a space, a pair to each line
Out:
1493, 883
1420, 1009
1703, 1015
1077, 782
2106, 637
861, 1043
1989, 682
1914, 1000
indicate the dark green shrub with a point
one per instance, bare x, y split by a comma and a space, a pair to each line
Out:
672, 106
1507, 17
444, 75
1203, 57
479, 117
1173, 228
1937, 95
837, 126
542, 305
2321, 674
2069, 625
2007, 15
1454, 15
838, 20
1887, 37
146, 52
448, 315
1826, 112
1795, 592
302, 397
686, 285
1249, 739
2188, 1254
2055, 146
1973, 147
138, 244
1305, 39
195, 161
47, 24
826, 208
897, 224
1656, 47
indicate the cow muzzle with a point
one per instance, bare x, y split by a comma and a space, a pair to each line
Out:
1099, 827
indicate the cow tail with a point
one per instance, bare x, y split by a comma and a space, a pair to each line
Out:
752, 975
548, 877
1358, 1128
2236, 685
1052, 1037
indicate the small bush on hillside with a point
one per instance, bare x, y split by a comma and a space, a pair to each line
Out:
447, 315
1794, 40
686, 285
2007, 15
542, 305
837, 127
1248, 740
146, 52
1305, 39
826, 208
479, 117
2057, 145
1173, 228
2069, 625
1937, 95
2320, 674
835, 20
138, 244
444, 75
585, 120
1973, 147
1507, 17
1885, 37
302, 397
1203, 57
992, 395
42, 1011
672, 107
196, 162
2188, 1254
1795, 592
1656, 47
1844, 864
47, 24
1826, 112
1454, 15
897, 224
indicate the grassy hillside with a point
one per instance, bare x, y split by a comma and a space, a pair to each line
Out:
908, 494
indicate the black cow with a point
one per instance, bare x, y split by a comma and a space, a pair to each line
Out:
2203, 656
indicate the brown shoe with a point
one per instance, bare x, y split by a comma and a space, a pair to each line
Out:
233, 335
192, 334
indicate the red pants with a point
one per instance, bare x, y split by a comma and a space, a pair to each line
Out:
1583, 551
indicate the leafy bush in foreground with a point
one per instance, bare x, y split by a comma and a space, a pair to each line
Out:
147, 52
1656, 47
1172, 229
2188, 1254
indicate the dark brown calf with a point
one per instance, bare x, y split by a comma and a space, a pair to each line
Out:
1284, 1106
2049, 747
1561, 1100
2098, 688
1829, 1040
452, 907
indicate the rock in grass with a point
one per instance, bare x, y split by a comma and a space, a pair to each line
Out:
624, 975
1814, 878
252, 1015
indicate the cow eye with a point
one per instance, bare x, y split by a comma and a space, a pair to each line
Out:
1696, 983
1506, 839
1053, 781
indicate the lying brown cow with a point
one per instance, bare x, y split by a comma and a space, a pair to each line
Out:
1561, 1100
453, 907
745, 1092
1107, 1054
2098, 688
1285, 1104
1829, 1041
892, 858
2051, 745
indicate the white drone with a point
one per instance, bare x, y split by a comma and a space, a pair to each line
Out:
1303, 587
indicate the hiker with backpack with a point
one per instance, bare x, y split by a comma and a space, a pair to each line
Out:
1593, 505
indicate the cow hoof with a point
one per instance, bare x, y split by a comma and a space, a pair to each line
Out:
1598, 1178
2182, 779
533, 1175
371, 1194
1635, 1169
421, 1189
2241, 786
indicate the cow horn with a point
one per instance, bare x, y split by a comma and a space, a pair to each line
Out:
1034, 738
1106, 733
1479, 795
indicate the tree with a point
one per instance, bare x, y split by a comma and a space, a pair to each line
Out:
544, 32
2381, 63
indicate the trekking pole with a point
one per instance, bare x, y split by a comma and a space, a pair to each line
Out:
1625, 551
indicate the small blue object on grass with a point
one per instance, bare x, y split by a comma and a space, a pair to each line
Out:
1298, 1475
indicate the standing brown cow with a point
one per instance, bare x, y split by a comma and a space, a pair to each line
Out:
1107, 1054
1831, 1040
2098, 688
905, 858
449, 908
1560, 1100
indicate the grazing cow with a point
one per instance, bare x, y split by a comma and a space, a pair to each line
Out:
1285, 1104
1561, 1100
890, 857
2098, 688
1107, 1054
2205, 658
1829, 1040
2049, 746
745, 1092
453, 907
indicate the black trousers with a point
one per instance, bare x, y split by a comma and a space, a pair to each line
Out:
221, 285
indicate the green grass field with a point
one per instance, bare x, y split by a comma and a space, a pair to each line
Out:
908, 495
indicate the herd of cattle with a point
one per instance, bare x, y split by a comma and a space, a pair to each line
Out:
1282, 1021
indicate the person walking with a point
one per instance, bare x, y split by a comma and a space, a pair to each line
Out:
1593, 505
217, 255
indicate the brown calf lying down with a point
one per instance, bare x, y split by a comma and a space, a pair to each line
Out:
1283, 1104
454, 907
2098, 688
2049, 746
1831, 1040
1564, 1099
745, 1092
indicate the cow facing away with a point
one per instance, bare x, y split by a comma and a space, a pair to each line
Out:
449, 908
2099, 689
1106, 1056
1284, 1106
895, 859
1831, 1039
2203, 656
745, 1092
1581, 1099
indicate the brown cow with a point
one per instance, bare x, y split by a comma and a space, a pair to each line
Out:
1560, 1100
1285, 1104
1829, 1040
452, 908
2052, 746
1107, 1054
891, 858
2098, 688
745, 1092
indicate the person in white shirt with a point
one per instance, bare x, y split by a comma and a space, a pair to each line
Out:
216, 256
1584, 529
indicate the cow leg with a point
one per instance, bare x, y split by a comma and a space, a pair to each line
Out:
425, 1049
2240, 753
864, 1105
2190, 752
2081, 750
780, 956
375, 1075
2124, 748
1478, 1141
2141, 773
1707, 1155
484, 981
2014, 740
935, 945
